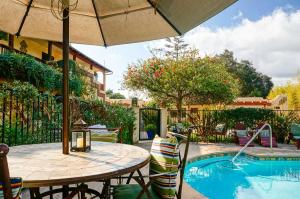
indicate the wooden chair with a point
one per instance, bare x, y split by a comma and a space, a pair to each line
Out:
10, 188
143, 190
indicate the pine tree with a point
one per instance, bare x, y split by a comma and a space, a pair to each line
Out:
175, 48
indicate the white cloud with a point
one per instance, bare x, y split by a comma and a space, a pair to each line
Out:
271, 43
238, 16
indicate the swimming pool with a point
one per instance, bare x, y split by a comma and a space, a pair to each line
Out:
217, 178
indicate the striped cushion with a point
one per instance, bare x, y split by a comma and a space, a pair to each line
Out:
164, 158
16, 186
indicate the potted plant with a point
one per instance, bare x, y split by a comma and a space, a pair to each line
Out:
150, 129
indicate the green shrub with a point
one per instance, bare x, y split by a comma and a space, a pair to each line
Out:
99, 112
249, 116
151, 128
25, 68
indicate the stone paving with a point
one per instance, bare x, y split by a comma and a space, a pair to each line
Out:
197, 149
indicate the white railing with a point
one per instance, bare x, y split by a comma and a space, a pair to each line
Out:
251, 140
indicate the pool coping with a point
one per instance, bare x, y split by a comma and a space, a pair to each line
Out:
245, 154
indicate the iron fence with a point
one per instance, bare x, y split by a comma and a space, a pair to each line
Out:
29, 121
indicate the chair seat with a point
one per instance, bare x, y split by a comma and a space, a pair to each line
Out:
130, 191
265, 141
297, 137
244, 140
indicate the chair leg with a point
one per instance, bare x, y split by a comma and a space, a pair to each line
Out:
35, 193
65, 191
51, 195
129, 177
106, 189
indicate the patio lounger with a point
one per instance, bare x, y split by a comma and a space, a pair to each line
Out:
241, 135
295, 130
264, 137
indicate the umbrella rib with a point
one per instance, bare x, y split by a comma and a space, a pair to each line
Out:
24, 17
99, 24
164, 17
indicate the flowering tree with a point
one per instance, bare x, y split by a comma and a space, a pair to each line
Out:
186, 80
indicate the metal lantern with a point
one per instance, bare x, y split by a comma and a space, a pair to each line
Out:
81, 137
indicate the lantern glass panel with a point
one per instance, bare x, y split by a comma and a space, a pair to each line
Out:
88, 138
77, 139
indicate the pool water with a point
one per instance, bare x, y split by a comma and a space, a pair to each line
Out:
218, 178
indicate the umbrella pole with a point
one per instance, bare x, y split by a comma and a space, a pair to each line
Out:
66, 126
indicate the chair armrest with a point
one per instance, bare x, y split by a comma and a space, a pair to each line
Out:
146, 176
161, 174
177, 135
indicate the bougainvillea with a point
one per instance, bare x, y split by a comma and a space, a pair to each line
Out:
187, 80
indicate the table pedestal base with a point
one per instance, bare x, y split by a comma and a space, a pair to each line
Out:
67, 192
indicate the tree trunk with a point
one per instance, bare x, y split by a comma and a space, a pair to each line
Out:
179, 110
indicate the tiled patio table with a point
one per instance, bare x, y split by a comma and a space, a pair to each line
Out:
42, 165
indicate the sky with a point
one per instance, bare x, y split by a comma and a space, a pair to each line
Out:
265, 32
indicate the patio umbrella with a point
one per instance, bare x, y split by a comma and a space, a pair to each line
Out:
102, 22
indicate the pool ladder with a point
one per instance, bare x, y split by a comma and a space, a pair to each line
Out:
253, 137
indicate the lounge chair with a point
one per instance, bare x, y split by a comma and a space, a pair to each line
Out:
165, 164
102, 133
295, 131
264, 137
241, 135
10, 188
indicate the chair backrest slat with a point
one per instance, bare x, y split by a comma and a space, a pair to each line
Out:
4, 172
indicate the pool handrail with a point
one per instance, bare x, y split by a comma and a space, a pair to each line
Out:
253, 137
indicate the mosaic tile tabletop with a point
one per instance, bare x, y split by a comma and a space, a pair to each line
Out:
44, 164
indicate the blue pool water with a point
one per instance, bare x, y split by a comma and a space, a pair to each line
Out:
217, 178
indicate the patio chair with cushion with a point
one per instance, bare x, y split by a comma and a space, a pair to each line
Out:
241, 135
165, 163
102, 133
10, 188
264, 136
295, 131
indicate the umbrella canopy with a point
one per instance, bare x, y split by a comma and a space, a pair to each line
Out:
107, 22
102, 22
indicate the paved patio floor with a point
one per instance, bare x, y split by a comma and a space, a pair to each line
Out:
197, 149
